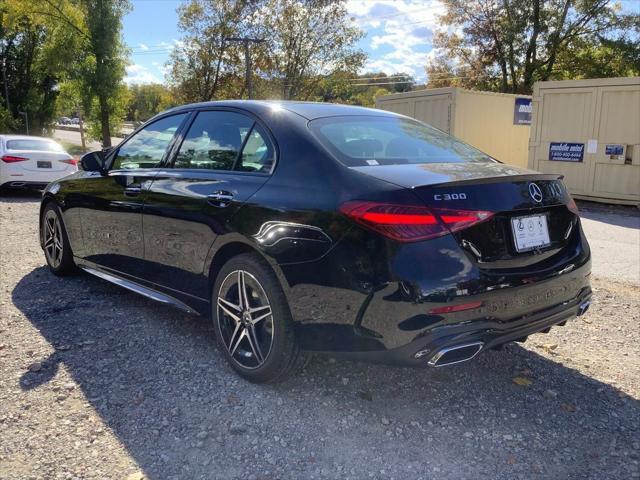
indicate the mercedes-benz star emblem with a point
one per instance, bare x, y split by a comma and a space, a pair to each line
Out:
535, 192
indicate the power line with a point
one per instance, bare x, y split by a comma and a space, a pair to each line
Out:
382, 77
428, 79
377, 83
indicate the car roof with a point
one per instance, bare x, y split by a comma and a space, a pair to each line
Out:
308, 110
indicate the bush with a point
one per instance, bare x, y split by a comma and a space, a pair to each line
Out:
7, 122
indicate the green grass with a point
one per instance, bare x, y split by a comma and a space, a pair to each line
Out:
72, 149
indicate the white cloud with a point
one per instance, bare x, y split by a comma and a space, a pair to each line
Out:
408, 27
143, 47
137, 73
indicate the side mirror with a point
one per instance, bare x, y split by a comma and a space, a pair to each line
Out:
92, 162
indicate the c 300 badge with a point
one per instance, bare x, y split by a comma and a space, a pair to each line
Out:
450, 196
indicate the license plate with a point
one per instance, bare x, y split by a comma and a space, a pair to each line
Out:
42, 164
530, 232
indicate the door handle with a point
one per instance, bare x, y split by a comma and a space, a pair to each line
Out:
132, 190
220, 199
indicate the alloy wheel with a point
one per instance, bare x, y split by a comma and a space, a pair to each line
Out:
245, 319
53, 239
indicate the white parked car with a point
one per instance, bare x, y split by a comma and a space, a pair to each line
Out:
32, 162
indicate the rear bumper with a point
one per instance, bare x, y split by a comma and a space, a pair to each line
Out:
430, 350
14, 176
397, 320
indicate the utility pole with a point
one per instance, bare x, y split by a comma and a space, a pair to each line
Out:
247, 58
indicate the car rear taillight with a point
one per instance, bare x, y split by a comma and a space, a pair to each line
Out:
410, 223
12, 159
71, 161
573, 208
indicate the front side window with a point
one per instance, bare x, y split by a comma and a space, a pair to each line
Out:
214, 141
377, 140
147, 148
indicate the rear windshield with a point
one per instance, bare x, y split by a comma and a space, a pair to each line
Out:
361, 141
34, 144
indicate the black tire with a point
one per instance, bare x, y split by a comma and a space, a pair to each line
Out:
284, 356
57, 251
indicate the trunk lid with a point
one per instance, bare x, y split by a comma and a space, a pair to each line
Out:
425, 174
46, 158
510, 193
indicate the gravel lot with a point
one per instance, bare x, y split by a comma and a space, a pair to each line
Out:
97, 382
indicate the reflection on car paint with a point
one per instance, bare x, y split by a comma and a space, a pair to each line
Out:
271, 233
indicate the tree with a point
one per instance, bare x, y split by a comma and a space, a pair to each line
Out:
147, 100
58, 40
507, 45
619, 57
305, 42
307, 39
71, 102
7, 123
36, 52
204, 66
106, 61
401, 82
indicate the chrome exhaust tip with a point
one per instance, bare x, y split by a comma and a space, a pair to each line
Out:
583, 307
455, 354
17, 184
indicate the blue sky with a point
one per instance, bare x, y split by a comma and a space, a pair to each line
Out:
398, 35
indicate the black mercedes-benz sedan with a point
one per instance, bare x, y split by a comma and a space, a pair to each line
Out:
307, 227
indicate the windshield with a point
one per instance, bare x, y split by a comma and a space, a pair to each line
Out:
34, 145
360, 140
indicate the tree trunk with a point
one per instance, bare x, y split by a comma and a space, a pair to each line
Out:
104, 121
82, 140
216, 77
555, 41
531, 57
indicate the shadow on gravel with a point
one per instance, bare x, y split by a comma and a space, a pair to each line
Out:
20, 196
155, 377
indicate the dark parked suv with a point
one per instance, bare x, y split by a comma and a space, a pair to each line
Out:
305, 227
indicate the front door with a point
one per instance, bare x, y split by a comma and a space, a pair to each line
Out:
224, 159
111, 204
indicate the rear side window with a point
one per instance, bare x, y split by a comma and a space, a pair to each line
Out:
214, 141
257, 154
34, 145
146, 148
362, 140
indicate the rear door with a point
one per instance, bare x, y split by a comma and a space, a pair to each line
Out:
111, 204
224, 157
